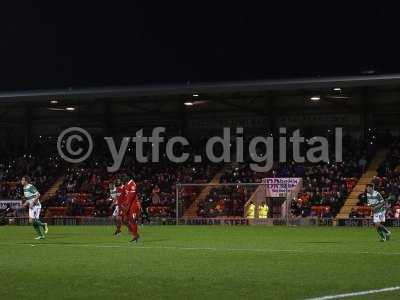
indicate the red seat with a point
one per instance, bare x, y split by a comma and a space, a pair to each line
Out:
88, 211
320, 209
364, 210
56, 212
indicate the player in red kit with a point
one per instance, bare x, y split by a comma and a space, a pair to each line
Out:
133, 212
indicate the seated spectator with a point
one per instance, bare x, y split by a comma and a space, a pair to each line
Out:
327, 214
155, 195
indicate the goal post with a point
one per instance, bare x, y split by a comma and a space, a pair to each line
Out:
207, 202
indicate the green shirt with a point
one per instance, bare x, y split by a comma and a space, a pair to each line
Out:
376, 201
30, 193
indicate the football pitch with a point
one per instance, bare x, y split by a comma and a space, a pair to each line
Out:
198, 262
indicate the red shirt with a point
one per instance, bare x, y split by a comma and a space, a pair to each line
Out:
121, 195
131, 195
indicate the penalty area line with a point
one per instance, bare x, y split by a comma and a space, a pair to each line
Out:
355, 294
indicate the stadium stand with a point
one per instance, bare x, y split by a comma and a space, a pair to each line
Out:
325, 185
42, 170
386, 180
83, 190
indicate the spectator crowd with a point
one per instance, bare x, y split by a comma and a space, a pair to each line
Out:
84, 189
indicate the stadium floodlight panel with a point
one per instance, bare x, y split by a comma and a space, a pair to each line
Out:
315, 98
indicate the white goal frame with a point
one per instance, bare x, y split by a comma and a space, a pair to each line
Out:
259, 194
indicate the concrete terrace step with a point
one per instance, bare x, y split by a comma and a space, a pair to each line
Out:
366, 178
53, 189
192, 210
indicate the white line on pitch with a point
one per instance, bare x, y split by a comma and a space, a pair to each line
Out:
265, 250
361, 293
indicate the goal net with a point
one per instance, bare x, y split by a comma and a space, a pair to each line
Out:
267, 202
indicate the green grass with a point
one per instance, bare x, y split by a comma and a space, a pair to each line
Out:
198, 262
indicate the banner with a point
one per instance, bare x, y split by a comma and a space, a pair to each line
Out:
280, 187
301, 120
12, 203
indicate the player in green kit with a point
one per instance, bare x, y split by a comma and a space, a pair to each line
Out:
32, 195
378, 204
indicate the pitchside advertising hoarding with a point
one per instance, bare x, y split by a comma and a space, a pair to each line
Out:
12, 203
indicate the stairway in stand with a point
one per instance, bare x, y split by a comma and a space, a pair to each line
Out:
366, 178
191, 212
52, 190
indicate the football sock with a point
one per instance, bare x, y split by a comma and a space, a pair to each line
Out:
40, 223
133, 229
380, 232
385, 229
119, 225
38, 228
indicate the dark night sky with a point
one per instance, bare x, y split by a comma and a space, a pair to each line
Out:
59, 44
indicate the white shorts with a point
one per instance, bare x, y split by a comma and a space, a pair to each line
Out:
379, 217
34, 212
116, 211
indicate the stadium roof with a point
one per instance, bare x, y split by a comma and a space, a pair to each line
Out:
217, 87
